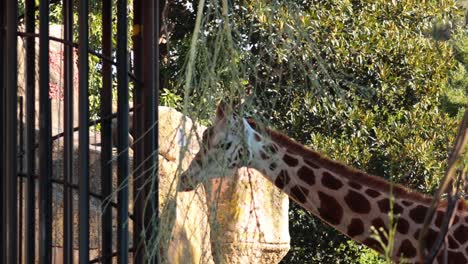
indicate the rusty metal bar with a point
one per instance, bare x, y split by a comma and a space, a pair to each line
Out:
67, 10
10, 137
123, 133
106, 132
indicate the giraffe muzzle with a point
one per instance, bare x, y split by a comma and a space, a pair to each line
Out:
186, 185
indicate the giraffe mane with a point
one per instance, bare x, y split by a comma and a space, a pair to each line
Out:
351, 173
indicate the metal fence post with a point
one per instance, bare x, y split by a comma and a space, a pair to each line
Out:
68, 134
30, 82
83, 68
138, 197
106, 132
45, 142
123, 123
10, 137
2, 129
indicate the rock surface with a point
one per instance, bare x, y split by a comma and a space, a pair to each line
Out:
249, 219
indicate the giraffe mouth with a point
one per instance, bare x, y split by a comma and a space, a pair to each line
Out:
186, 185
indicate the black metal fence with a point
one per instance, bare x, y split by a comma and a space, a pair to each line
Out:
20, 240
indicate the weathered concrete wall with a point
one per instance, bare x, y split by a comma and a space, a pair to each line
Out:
249, 219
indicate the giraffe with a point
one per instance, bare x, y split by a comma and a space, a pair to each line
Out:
347, 199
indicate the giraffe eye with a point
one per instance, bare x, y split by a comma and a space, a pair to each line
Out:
227, 145
206, 134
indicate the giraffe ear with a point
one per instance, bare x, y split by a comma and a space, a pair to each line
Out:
222, 110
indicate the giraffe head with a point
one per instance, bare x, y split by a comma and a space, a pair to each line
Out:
223, 149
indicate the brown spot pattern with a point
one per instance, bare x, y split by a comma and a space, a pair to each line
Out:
402, 226
282, 179
311, 164
439, 218
357, 202
452, 243
263, 155
430, 237
307, 175
355, 185
406, 203
299, 193
456, 257
330, 210
379, 224
407, 250
418, 213
290, 161
461, 233
384, 206
355, 228
272, 148
257, 137
461, 206
372, 243
372, 193
331, 182
341, 168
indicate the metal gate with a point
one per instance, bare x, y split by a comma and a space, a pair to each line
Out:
23, 238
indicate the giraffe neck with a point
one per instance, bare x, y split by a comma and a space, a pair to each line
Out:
350, 200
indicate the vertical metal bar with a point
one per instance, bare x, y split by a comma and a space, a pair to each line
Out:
106, 132
2, 130
122, 142
11, 95
149, 84
30, 82
138, 181
149, 104
148, 112
68, 134
83, 131
45, 141
157, 82
20, 169
158, 12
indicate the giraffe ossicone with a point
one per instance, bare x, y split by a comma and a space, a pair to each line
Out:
349, 200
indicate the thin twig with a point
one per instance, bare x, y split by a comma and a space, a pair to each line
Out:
460, 143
